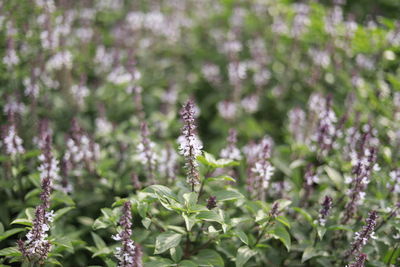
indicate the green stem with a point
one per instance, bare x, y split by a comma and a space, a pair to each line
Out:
392, 254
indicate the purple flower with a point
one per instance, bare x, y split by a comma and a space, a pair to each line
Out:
126, 254
361, 238
325, 210
211, 202
297, 124
36, 247
190, 145
360, 261
231, 151
135, 181
362, 172
168, 162
146, 152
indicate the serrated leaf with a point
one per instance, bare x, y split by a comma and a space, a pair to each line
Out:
166, 241
243, 255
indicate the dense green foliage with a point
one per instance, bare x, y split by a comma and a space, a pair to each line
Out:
312, 91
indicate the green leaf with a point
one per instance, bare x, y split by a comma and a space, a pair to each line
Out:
208, 257
62, 198
189, 221
221, 177
146, 223
283, 220
98, 241
176, 253
10, 232
321, 232
59, 213
100, 223
335, 176
187, 263
242, 236
306, 215
210, 216
158, 262
283, 204
11, 251
190, 199
225, 195
280, 232
339, 227
243, 255
308, 253
22, 221
32, 193
208, 159
161, 190
166, 241
102, 252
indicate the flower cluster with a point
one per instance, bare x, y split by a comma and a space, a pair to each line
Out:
362, 171
168, 162
262, 170
361, 238
190, 145
36, 247
325, 132
360, 261
146, 152
80, 148
126, 254
325, 210
11, 141
231, 151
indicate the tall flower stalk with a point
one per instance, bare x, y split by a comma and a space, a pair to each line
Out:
361, 238
190, 145
362, 171
37, 246
126, 254
146, 152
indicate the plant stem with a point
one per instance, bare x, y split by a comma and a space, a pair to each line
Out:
392, 254
387, 219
